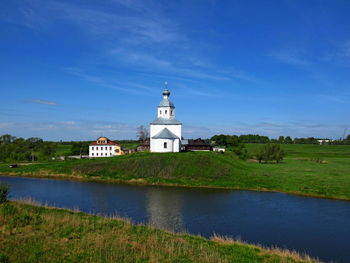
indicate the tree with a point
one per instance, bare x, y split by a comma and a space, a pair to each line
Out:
270, 152
281, 139
142, 133
7, 138
80, 148
288, 140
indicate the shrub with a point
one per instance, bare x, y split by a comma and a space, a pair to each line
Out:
270, 152
4, 191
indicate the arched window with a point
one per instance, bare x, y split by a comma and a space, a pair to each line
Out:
165, 145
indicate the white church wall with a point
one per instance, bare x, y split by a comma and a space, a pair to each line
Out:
166, 112
158, 145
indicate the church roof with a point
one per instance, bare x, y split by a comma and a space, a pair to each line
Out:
165, 134
162, 121
166, 103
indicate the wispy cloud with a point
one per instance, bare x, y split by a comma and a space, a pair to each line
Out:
44, 102
126, 87
290, 56
136, 33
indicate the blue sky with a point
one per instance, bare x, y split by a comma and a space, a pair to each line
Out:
74, 70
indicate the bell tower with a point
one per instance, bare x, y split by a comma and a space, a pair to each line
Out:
166, 109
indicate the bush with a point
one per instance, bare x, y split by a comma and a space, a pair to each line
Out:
4, 191
270, 152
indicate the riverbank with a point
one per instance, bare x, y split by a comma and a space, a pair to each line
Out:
300, 173
32, 233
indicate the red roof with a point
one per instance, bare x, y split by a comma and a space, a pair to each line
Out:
108, 143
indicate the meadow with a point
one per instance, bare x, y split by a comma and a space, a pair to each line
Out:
314, 170
32, 233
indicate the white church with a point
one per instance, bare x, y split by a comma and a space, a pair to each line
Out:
165, 131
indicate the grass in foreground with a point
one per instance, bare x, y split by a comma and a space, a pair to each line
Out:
30, 233
315, 170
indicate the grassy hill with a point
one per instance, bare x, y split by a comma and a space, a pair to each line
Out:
40, 234
315, 170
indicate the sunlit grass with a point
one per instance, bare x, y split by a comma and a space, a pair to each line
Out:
30, 233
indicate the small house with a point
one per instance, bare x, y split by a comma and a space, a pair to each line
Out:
104, 147
198, 145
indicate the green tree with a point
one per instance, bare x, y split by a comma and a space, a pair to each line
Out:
270, 152
281, 139
288, 140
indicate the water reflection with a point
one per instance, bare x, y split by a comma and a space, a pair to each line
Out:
164, 209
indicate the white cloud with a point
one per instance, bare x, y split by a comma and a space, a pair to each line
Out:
45, 102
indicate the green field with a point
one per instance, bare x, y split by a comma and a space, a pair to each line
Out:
315, 170
31, 233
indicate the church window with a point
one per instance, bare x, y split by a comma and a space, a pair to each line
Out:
165, 145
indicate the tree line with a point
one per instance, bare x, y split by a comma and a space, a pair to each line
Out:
226, 140
19, 149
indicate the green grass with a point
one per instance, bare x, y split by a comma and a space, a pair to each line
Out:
30, 233
315, 170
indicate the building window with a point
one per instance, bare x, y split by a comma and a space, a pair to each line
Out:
106, 148
92, 148
160, 112
106, 154
116, 150
165, 145
166, 111
110, 147
110, 154
96, 148
96, 154
92, 154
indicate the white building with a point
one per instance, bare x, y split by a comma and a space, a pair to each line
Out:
165, 131
104, 147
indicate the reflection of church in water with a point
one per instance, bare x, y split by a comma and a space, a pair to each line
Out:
164, 209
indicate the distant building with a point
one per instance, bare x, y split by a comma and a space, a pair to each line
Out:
198, 145
219, 149
104, 147
323, 141
165, 131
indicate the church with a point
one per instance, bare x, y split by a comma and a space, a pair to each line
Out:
165, 131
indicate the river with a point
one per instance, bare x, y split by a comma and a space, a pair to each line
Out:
318, 227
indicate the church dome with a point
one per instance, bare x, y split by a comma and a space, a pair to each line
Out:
165, 102
166, 92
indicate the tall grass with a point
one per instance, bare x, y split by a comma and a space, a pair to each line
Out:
40, 234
